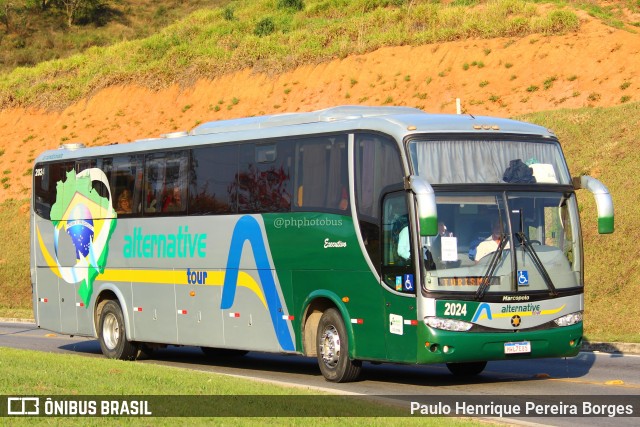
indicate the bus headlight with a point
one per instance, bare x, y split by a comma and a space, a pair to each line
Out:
447, 324
569, 319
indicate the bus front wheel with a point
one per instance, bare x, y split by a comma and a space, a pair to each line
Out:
333, 349
112, 335
467, 369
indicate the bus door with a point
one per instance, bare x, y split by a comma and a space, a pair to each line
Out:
398, 278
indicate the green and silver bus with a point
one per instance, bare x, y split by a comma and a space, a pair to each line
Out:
350, 234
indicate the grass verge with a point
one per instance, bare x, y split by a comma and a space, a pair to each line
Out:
30, 373
602, 142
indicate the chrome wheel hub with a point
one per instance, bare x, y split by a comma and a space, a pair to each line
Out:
111, 331
330, 346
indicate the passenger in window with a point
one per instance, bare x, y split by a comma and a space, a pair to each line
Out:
344, 200
124, 202
150, 198
173, 201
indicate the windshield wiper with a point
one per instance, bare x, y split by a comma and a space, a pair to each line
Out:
493, 264
528, 247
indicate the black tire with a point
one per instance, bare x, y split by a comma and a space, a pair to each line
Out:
112, 334
222, 353
333, 349
467, 369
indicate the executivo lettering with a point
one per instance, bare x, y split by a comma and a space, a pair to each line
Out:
171, 245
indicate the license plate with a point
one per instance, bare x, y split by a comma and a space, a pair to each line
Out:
517, 347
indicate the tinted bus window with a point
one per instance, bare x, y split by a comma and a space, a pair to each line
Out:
45, 180
264, 178
213, 182
378, 165
165, 188
125, 178
321, 174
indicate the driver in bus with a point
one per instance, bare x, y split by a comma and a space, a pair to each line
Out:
491, 243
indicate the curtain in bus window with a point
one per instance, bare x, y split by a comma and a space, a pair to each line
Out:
380, 167
368, 177
337, 181
314, 167
466, 162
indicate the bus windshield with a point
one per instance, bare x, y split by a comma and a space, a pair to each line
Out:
489, 161
515, 241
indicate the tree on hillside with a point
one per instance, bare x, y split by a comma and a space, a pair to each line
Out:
40, 4
82, 10
70, 9
6, 10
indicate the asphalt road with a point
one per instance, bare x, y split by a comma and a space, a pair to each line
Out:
588, 374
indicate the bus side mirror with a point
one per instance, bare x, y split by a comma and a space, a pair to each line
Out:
604, 201
427, 209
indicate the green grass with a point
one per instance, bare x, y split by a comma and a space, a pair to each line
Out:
602, 142
15, 287
73, 375
207, 44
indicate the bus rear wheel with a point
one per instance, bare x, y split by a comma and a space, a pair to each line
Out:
333, 349
112, 334
466, 369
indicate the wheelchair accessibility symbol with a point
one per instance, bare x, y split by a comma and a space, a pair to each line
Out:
523, 278
408, 282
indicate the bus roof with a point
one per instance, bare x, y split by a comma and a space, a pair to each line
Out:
395, 121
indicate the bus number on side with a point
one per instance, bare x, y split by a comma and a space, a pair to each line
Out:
455, 309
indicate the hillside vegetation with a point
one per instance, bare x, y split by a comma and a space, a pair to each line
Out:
257, 35
502, 57
33, 31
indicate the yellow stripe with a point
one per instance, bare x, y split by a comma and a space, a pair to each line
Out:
168, 277
530, 313
178, 277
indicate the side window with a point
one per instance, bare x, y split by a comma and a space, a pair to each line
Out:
321, 174
104, 165
378, 165
264, 177
125, 178
46, 177
213, 182
165, 186
396, 243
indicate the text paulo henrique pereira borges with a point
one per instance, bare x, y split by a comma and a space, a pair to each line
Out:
526, 408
